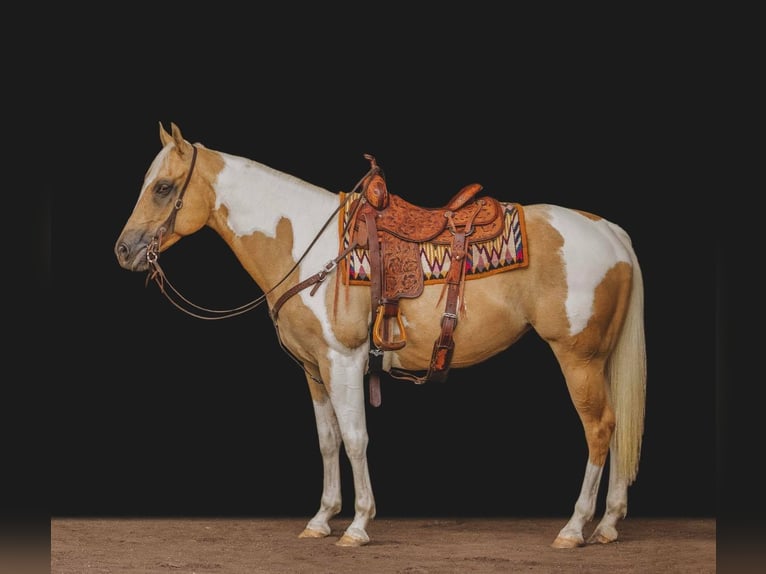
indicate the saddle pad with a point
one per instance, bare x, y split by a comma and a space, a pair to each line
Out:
505, 252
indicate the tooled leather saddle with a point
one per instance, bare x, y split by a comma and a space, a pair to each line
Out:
391, 229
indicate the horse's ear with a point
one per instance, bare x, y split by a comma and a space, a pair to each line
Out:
182, 146
165, 137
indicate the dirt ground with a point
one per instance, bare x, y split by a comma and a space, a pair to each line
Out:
402, 546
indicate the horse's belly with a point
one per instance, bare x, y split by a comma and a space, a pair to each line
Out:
491, 323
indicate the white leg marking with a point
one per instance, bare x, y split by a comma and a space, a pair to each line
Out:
616, 504
585, 508
347, 394
329, 446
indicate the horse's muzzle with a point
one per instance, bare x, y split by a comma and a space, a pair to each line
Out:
132, 258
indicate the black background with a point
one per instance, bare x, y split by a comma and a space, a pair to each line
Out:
156, 413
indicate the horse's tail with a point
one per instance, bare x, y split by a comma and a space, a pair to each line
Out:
626, 370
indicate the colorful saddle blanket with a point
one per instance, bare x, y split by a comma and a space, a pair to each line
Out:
505, 252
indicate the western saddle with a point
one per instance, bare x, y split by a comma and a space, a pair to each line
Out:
391, 230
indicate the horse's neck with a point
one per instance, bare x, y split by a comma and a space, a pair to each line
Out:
270, 219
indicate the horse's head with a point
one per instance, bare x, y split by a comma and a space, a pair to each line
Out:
171, 204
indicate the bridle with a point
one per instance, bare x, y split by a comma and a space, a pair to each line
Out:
157, 274
153, 250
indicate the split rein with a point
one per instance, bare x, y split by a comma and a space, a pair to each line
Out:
157, 274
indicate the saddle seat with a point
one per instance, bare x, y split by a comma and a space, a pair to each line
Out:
411, 223
392, 230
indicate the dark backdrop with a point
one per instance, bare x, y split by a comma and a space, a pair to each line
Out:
157, 413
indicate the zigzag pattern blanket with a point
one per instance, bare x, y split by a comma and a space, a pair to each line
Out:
506, 252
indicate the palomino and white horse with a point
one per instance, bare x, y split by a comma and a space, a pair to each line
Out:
580, 289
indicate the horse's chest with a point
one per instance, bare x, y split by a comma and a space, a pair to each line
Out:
311, 324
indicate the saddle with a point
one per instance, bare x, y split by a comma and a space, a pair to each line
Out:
392, 230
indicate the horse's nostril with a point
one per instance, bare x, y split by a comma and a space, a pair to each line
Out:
122, 249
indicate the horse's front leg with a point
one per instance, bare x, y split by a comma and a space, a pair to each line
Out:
346, 388
329, 446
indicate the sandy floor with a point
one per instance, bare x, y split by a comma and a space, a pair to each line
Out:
410, 546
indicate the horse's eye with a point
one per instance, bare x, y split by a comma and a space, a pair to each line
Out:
163, 188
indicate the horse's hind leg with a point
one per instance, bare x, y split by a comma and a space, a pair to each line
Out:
616, 504
587, 386
329, 435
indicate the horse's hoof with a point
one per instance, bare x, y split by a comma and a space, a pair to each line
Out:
603, 535
310, 533
562, 542
351, 541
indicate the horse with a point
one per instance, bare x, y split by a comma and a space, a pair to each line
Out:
579, 288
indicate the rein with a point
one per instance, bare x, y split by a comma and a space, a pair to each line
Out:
158, 275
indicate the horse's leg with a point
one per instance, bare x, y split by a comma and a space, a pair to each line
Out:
627, 375
329, 446
347, 396
616, 503
587, 386
605, 370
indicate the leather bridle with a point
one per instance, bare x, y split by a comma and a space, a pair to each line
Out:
157, 274
153, 249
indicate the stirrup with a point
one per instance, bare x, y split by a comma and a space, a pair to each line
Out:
392, 345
